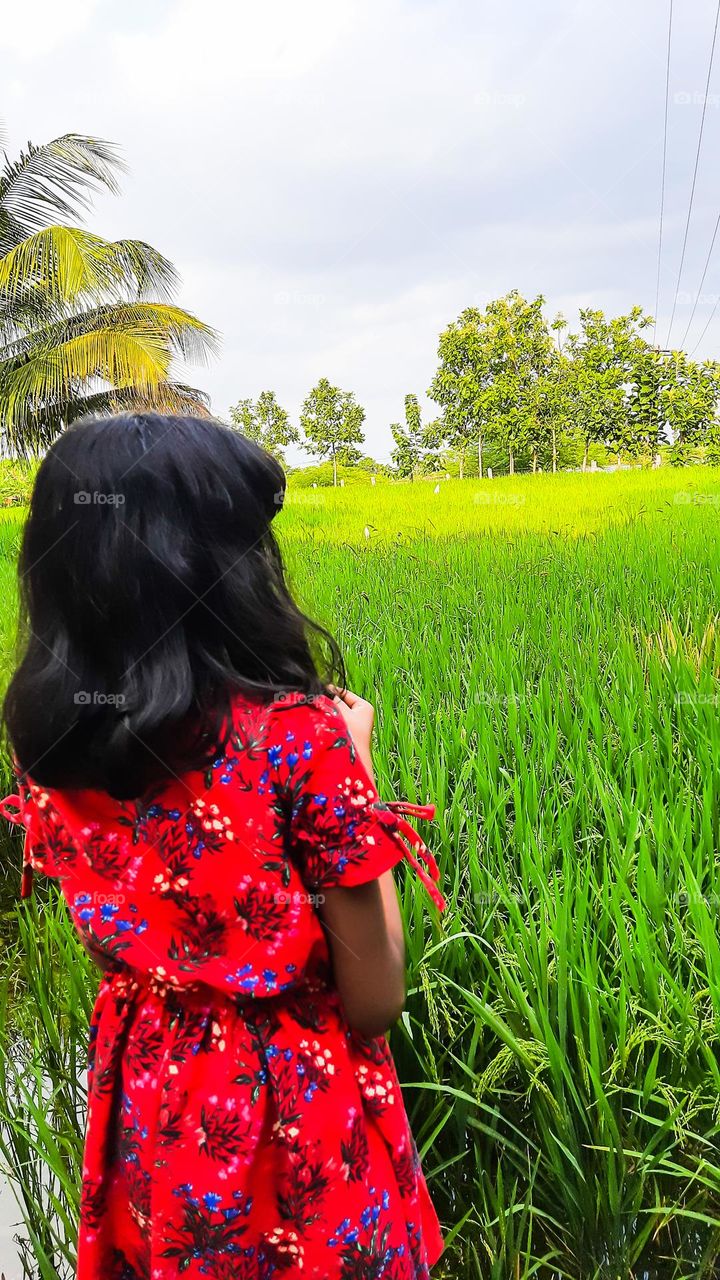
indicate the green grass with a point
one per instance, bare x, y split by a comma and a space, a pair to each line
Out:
561, 1040
544, 656
574, 505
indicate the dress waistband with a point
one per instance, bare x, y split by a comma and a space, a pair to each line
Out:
127, 983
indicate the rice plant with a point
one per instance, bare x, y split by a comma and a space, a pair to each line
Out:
545, 667
42, 1083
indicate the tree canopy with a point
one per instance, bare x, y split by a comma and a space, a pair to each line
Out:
266, 422
505, 380
332, 420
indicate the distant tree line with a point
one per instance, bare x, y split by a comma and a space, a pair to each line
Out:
511, 385
331, 421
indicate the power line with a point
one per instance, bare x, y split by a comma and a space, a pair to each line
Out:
695, 172
707, 326
662, 185
697, 295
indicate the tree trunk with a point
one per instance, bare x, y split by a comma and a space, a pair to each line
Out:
480, 455
534, 456
585, 456
334, 470
512, 461
554, 449
462, 463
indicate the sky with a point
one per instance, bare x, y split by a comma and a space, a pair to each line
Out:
336, 180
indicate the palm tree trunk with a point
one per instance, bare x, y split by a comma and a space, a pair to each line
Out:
534, 457
334, 458
480, 455
554, 448
462, 463
585, 456
512, 461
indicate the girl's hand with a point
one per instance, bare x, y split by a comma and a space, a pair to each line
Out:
358, 716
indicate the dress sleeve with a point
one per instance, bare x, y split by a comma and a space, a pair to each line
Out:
341, 833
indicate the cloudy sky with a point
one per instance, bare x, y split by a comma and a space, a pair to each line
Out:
336, 179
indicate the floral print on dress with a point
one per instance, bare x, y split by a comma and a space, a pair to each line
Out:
237, 1128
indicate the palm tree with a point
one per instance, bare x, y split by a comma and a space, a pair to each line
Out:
86, 324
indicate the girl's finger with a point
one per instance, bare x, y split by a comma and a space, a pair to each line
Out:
345, 695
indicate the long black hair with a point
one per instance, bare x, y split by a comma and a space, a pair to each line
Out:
152, 589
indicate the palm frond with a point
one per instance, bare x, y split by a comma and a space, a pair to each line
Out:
40, 428
55, 377
62, 265
181, 333
53, 181
124, 350
163, 397
86, 325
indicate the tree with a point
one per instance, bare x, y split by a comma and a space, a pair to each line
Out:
689, 401
460, 386
243, 415
605, 358
432, 445
265, 422
549, 409
332, 422
559, 390
519, 349
653, 375
489, 362
86, 324
409, 440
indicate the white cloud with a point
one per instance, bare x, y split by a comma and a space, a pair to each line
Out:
218, 47
35, 27
335, 180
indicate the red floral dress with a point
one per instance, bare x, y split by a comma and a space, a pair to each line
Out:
237, 1128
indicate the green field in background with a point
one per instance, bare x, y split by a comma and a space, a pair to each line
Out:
544, 656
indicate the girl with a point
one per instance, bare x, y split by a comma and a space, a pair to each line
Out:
207, 804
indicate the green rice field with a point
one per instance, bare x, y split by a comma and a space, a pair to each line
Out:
544, 656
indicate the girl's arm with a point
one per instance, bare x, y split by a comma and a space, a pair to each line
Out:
363, 924
365, 935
